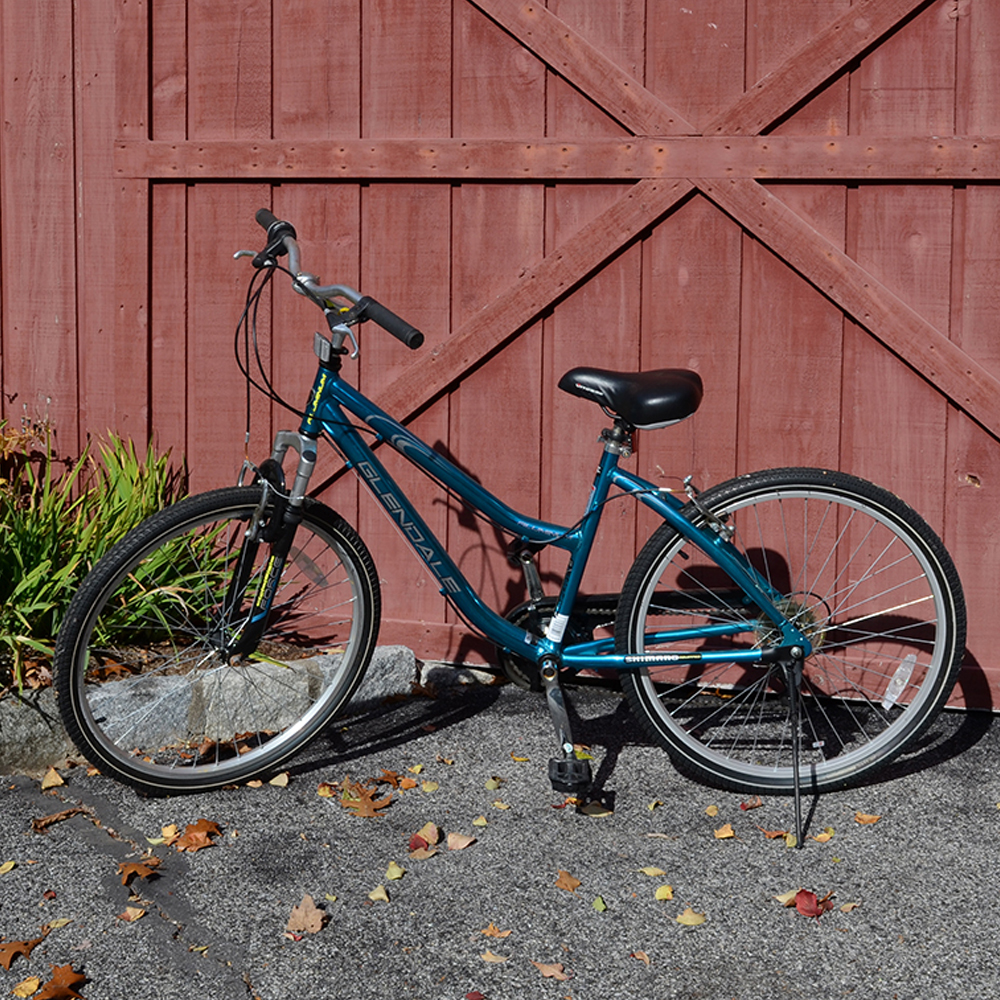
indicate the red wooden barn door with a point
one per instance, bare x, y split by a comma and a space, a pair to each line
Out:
792, 199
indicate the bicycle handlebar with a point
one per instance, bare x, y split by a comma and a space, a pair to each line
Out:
282, 239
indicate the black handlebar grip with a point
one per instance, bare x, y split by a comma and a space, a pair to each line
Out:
277, 230
368, 308
265, 218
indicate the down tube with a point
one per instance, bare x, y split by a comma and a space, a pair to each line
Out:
423, 541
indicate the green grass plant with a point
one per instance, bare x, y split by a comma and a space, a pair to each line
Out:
57, 518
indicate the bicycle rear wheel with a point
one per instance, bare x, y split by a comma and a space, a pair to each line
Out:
860, 573
149, 688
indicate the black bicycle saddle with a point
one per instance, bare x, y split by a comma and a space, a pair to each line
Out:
645, 400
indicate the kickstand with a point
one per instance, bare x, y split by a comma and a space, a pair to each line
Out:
793, 680
566, 773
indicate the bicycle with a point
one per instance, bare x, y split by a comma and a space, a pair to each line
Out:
788, 629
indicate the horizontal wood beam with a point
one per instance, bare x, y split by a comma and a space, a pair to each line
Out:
537, 289
823, 158
600, 79
863, 297
811, 65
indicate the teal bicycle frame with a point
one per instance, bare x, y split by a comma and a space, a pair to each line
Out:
325, 415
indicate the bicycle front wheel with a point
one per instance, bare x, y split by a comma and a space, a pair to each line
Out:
150, 688
857, 571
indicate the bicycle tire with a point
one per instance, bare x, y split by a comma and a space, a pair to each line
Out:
146, 689
863, 576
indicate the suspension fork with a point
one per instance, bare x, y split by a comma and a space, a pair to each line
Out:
273, 523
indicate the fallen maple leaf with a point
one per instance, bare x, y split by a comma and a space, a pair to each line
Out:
197, 836
551, 971
306, 917
62, 985
494, 931
567, 882
361, 800
140, 869
865, 819
9, 950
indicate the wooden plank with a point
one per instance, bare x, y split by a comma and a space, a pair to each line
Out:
868, 301
229, 69
317, 69
112, 373
568, 53
695, 55
168, 321
498, 85
691, 319
495, 422
169, 68
972, 470
216, 286
791, 336
406, 60
813, 64
774, 157
37, 216
534, 291
495, 427
406, 91
131, 211
598, 324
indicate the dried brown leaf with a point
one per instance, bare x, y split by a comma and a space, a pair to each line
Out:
488, 956
138, 869
567, 882
459, 841
865, 819
62, 985
552, 970
493, 931
306, 917
641, 955
197, 836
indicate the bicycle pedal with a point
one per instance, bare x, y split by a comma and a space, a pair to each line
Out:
570, 775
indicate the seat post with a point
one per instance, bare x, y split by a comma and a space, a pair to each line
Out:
617, 440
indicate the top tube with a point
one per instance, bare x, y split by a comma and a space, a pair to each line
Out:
411, 447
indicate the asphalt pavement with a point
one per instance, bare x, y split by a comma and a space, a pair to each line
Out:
913, 914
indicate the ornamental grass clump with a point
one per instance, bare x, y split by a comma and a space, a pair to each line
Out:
57, 518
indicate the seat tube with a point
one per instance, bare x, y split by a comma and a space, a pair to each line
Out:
586, 534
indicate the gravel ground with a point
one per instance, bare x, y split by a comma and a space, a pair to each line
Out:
924, 876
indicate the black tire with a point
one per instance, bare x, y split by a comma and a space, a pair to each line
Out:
144, 690
861, 573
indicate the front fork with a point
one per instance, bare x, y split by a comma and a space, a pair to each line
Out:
273, 523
